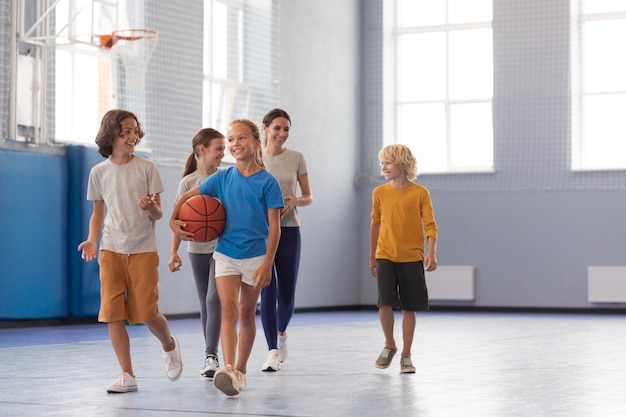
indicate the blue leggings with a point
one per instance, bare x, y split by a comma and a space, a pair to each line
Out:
277, 299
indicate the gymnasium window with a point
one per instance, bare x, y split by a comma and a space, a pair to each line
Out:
65, 83
598, 85
443, 84
240, 54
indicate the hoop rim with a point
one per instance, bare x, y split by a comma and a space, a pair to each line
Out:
134, 34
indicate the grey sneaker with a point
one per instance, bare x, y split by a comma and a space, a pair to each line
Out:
211, 364
385, 357
124, 383
406, 366
225, 380
173, 362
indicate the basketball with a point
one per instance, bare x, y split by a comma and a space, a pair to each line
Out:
205, 217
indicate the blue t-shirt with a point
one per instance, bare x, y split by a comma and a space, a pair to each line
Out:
246, 200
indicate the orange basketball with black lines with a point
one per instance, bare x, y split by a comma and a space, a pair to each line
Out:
204, 216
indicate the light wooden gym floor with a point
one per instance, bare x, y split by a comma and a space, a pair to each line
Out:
468, 364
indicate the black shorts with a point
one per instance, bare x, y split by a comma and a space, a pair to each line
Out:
401, 285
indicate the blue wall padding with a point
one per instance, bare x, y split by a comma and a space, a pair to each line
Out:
33, 236
84, 277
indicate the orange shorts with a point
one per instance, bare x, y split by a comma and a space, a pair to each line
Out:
129, 287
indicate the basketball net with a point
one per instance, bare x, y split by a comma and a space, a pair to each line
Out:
133, 49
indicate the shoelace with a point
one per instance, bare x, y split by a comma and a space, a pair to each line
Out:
240, 378
386, 353
169, 360
121, 380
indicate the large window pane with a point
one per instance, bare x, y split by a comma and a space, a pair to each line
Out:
422, 74
220, 31
77, 97
604, 130
471, 135
599, 86
423, 128
464, 11
471, 71
603, 6
604, 67
421, 13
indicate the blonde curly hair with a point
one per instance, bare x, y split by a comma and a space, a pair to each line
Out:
401, 156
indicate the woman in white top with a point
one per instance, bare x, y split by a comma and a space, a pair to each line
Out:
277, 299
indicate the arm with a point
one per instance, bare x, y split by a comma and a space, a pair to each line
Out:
374, 232
177, 225
304, 200
430, 261
175, 262
263, 275
89, 247
152, 204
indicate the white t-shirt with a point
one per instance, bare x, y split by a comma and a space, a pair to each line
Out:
187, 183
127, 228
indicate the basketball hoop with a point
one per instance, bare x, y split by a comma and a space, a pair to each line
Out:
133, 48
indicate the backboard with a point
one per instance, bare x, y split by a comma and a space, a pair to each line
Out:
73, 22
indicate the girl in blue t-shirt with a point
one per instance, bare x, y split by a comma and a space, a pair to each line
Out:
245, 251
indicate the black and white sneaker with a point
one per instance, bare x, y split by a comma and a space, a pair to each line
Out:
211, 364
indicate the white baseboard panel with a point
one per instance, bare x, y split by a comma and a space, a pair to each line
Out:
451, 283
606, 284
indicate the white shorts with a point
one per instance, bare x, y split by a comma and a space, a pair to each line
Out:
245, 268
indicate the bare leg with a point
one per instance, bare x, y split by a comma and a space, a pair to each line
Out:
408, 330
161, 330
228, 290
121, 345
247, 330
387, 320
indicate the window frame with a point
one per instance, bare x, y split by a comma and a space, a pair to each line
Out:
393, 115
580, 139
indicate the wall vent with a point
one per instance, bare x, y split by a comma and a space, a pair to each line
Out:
606, 284
451, 283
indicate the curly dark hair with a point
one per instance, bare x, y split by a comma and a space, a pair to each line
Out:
111, 127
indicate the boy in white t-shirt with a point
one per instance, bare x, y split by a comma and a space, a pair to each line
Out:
125, 192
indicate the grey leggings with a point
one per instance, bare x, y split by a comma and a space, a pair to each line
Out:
203, 267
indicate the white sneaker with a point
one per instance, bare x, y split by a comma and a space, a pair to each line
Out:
225, 380
211, 364
282, 348
272, 364
173, 362
124, 383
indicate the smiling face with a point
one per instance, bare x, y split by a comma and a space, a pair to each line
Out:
210, 157
277, 132
391, 171
241, 142
127, 138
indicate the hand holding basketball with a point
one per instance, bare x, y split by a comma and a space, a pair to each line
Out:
204, 216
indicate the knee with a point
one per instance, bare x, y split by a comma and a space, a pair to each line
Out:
230, 312
248, 317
